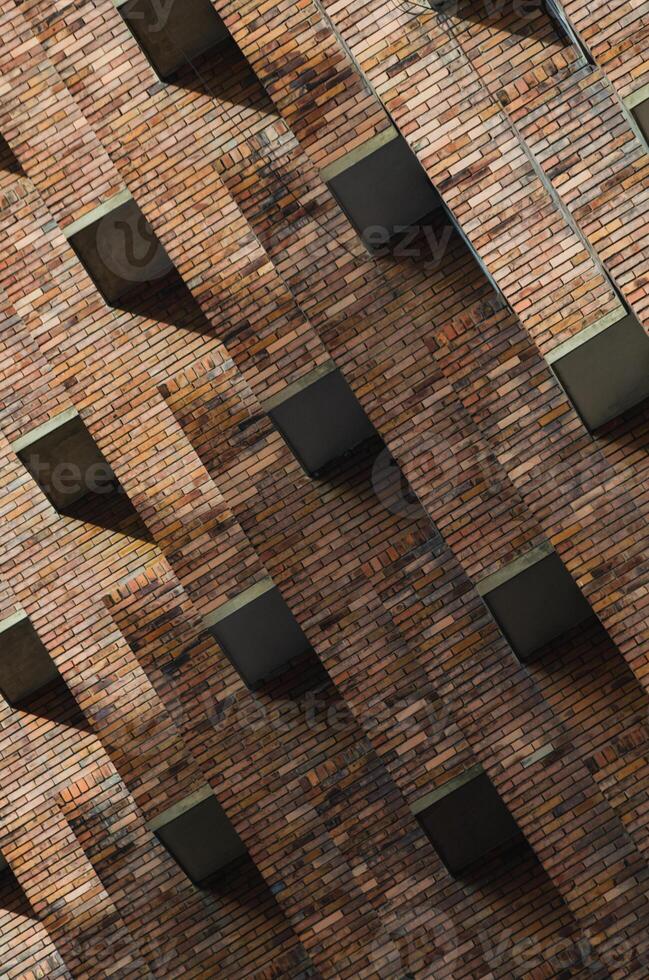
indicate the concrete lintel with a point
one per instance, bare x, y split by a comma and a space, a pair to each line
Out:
635, 98
515, 567
358, 153
438, 794
585, 335
102, 209
178, 809
541, 753
17, 617
44, 430
265, 585
304, 382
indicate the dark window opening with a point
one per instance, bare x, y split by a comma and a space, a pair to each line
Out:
537, 605
322, 422
467, 822
386, 194
199, 836
175, 34
258, 633
120, 251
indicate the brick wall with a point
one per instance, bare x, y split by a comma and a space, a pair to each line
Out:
409, 682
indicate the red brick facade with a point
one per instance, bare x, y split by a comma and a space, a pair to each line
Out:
410, 682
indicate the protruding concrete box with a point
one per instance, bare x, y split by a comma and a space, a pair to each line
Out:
320, 418
65, 461
382, 185
604, 369
534, 600
466, 821
198, 835
174, 33
258, 632
25, 664
118, 248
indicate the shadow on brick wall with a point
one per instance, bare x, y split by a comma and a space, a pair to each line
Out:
168, 301
520, 18
224, 75
56, 703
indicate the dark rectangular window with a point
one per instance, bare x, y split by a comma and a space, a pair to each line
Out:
199, 836
257, 632
383, 189
467, 821
607, 372
534, 600
66, 462
175, 33
321, 419
25, 665
119, 249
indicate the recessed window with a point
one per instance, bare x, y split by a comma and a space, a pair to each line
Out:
638, 104
320, 419
174, 33
65, 461
466, 821
118, 248
534, 600
199, 836
383, 189
8, 162
25, 665
604, 369
641, 115
258, 632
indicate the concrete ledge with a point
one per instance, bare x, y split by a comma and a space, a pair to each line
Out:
178, 809
97, 213
358, 153
43, 430
635, 98
297, 386
233, 605
585, 335
514, 568
10, 621
445, 789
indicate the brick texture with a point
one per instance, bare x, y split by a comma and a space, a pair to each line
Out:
479, 457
